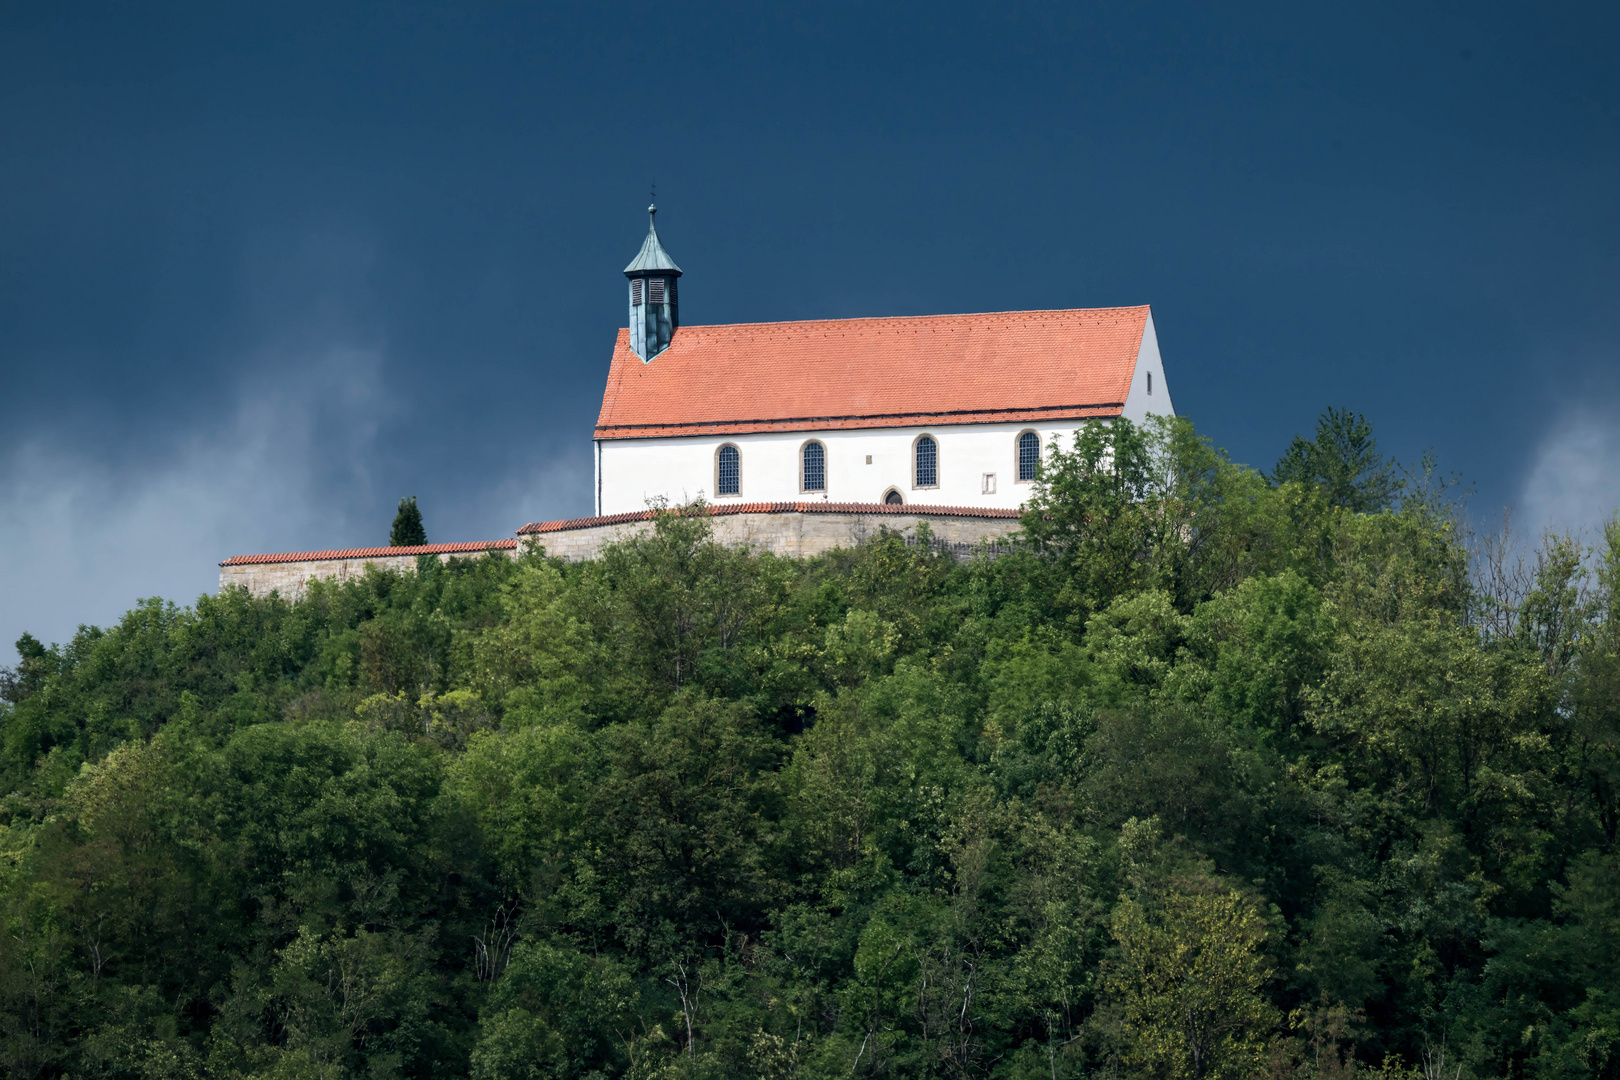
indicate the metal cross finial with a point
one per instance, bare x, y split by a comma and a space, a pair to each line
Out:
652, 201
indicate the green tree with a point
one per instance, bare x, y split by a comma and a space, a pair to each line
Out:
691, 811
1187, 981
1093, 513
553, 1014
1343, 461
408, 530
27, 677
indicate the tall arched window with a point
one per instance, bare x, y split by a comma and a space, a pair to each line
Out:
728, 479
813, 471
927, 474
1029, 455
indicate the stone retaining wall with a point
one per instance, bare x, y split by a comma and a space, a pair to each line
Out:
800, 530
792, 533
290, 576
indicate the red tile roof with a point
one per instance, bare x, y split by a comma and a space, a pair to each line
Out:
724, 509
1015, 366
471, 548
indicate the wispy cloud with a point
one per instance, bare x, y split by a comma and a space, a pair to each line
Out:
1573, 484
296, 463
81, 538
536, 488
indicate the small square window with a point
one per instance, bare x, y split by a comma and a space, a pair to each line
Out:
989, 486
869, 459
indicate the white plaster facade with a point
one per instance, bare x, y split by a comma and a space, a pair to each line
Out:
863, 464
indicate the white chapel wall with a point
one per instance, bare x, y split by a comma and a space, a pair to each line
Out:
679, 469
1144, 398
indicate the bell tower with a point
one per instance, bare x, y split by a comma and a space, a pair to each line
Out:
654, 313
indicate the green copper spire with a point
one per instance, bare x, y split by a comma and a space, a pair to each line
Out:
652, 255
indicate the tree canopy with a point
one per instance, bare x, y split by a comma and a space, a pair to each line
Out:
1343, 461
1216, 775
407, 530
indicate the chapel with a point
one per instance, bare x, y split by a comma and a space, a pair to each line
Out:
805, 437
953, 410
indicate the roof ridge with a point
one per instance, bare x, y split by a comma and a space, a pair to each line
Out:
915, 318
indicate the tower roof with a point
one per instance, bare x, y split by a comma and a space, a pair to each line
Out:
652, 255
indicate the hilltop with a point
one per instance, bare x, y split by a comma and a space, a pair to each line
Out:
1214, 774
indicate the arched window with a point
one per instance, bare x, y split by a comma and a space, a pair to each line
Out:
927, 473
728, 479
813, 473
1029, 455
893, 498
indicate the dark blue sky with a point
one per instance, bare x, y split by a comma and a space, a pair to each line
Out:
264, 269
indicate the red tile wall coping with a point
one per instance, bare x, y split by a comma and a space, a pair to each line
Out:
777, 508
471, 547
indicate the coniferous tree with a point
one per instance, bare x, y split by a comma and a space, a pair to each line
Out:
17, 683
1343, 460
407, 530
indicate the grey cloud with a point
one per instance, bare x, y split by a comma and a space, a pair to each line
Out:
81, 538
1573, 484
296, 464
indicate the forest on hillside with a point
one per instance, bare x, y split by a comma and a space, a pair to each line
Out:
1218, 775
